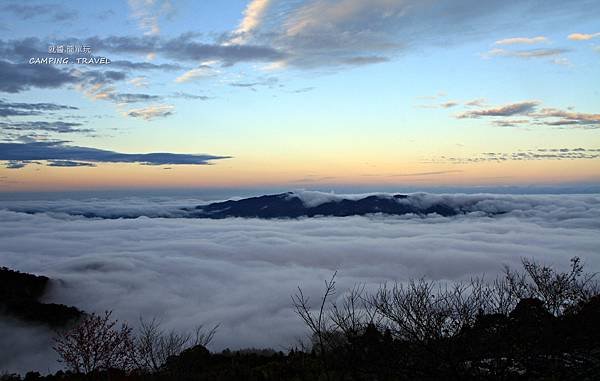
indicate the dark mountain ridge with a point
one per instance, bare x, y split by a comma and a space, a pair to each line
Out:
289, 205
20, 295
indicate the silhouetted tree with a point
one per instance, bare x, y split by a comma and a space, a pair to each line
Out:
318, 321
155, 346
95, 343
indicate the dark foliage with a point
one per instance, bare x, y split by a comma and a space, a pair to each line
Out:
15, 284
19, 298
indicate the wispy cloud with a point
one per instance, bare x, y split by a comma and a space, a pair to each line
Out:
528, 155
203, 71
151, 112
269, 82
17, 77
522, 40
528, 53
449, 104
582, 36
148, 12
57, 127
125, 64
432, 173
180, 94
61, 153
139, 81
518, 108
530, 115
123, 98
69, 163
253, 16
29, 109
318, 33
27, 11
563, 118
479, 102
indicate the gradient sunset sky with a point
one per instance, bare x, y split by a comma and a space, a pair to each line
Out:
300, 93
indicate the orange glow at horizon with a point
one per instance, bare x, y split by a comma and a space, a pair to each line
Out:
262, 173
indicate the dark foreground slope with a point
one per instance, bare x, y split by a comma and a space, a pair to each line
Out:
534, 325
527, 344
20, 295
288, 205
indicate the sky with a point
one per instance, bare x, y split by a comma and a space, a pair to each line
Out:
298, 94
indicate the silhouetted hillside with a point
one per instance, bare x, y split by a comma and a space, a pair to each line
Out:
19, 298
288, 205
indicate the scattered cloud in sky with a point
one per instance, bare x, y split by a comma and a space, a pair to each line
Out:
555, 54
512, 109
133, 98
582, 36
69, 163
269, 82
303, 90
181, 94
29, 109
125, 64
449, 104
528, 53
139, 81
151, 112
565, 118
528, 155
186, 47
148, 12
253, 15
52, 151
432, 173
14, 164
57, 127
203, 71
522, 40
480, 102
319, 33
15, 78
530, 114
27, 11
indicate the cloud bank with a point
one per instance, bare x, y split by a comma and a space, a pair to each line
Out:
241, 272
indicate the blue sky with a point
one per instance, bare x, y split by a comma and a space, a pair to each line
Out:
303, 93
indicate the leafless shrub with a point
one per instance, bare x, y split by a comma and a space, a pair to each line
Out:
559, 291
507, 290
425, 311
155, 346
317, 321
351, 316
465, 301
204, 336
95, 343
417, 311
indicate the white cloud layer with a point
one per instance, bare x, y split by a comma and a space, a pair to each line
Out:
241, 273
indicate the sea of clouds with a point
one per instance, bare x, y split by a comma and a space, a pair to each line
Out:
241, 273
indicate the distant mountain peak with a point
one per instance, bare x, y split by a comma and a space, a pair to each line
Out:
313, 204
